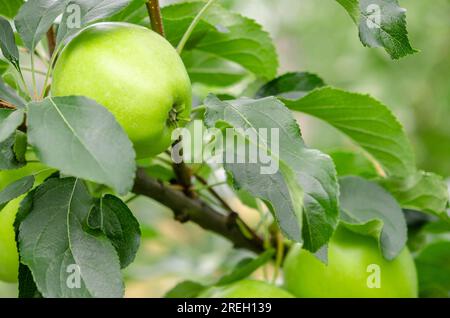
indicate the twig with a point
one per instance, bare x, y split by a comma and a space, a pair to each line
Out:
154, 13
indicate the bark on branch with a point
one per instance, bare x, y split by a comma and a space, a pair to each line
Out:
154, 13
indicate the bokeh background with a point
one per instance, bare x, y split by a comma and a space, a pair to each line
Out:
319, 37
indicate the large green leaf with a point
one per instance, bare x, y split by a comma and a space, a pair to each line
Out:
224, 34
9, 8
299, 168
368, 209
117, 222
35, 18
421, 191
66, 259
382, 23
81, 138
365, 120
90, 11
9, 121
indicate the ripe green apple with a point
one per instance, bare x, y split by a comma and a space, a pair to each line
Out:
246, 289
133, 72
9, 259
355, 268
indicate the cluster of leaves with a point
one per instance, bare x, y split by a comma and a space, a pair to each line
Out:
61, 223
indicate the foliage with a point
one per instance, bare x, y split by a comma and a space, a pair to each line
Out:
76, 228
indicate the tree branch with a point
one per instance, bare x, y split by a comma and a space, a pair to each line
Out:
154, 13
187, 209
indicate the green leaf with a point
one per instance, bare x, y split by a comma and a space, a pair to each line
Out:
135, 12
35, 18
209, 69
365, 120
245, 268
81, 138
3, 67
305, 181
89, 11
9, 95
9, 160
10, 120
190, 289
66, 259
368, 209
27, 286
433, 268
354, 163
20, 146
291, 85
9, 8
224, 34
382, 23
8, 43
186, 289
421, 191
160, 171
117, 222
15, 190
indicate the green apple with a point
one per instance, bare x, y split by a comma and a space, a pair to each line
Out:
133, 72
9, 259
355, 268
246, 289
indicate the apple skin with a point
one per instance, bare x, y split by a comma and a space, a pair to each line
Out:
132, 71
349, 255
9, 258
246, 289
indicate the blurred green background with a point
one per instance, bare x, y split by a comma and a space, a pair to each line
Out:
319, 37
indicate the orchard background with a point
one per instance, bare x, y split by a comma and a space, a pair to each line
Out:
319, 37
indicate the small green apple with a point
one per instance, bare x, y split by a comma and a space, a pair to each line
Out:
9, 259
246, 289
133, 72
356, 269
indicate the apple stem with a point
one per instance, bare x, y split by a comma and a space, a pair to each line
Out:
191, 28
154, 12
